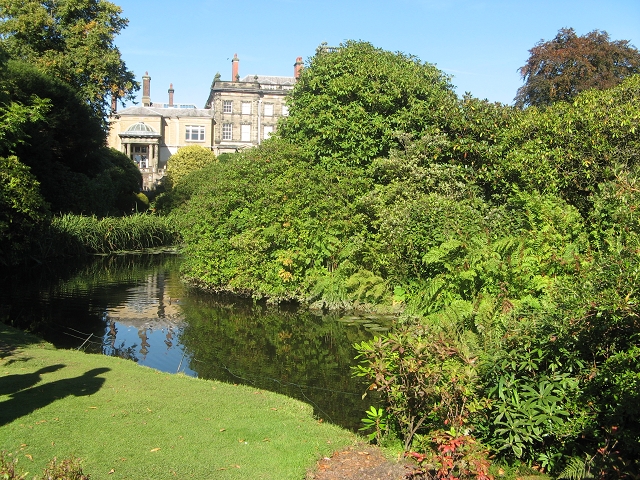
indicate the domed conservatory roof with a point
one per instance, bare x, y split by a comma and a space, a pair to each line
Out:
140, 129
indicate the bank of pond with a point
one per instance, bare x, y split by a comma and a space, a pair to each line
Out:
136, 307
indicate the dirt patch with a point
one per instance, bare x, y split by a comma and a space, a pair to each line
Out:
360, 462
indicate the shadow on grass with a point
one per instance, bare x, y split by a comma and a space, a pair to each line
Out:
12, 384
12, 339
26, 400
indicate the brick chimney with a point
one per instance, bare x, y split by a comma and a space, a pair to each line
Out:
171, 94
235, 64
146, 90
114, 103
297, 67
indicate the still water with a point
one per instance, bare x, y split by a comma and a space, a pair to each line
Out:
135, 307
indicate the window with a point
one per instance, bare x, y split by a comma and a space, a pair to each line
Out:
140, 155
194, 133
246, 108
268, 130
268, 109
285, 110
227, 106
227, 131
245, 133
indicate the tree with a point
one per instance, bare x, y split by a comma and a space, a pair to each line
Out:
71, 40
561, 68
21, 207
185, 161
62, 143
351, 104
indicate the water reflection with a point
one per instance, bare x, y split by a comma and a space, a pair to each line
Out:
136, 308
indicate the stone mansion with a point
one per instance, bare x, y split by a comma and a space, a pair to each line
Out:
239, 113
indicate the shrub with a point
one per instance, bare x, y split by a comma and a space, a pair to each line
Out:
186, 160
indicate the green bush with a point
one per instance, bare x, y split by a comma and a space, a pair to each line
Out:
186, 160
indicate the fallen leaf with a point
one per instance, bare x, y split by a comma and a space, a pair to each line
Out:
93, 408
155, 449
111, 471
29, 457
223, 429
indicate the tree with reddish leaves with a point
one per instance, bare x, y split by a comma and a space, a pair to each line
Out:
559, 69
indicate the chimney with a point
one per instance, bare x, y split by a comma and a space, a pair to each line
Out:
235, 64
297, 67
171, 94
114, 103
146, 90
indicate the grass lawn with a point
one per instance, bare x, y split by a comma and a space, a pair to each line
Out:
125, 421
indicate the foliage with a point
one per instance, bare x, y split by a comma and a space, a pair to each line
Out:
268, 223
509, 238
22, 207
559, 69
14, 116
64, 147
8, 467
452, 456
349, 105
72, 40
67, 469
568, 149
187, 160
426, 381
375, 420
81, 235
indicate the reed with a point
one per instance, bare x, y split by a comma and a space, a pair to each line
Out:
73, 235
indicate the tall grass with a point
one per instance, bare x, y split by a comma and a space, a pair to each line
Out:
76, 235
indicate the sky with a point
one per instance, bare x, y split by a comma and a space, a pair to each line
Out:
481, 44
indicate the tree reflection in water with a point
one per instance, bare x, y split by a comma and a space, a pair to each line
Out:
135, 307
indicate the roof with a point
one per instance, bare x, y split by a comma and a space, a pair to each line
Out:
165, 112
140, 129
270, 80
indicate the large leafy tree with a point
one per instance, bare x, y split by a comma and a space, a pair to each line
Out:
61, 142
561, 68
72, 40
351, 105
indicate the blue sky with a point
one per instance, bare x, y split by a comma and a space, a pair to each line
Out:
480, 43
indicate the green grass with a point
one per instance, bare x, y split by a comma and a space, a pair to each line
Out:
144, 424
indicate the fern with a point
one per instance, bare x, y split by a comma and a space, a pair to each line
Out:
577, 469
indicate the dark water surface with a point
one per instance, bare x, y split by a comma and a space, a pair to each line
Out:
135, 307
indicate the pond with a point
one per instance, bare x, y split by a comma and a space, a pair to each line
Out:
136, 307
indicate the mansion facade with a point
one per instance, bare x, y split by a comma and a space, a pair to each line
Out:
238, 114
